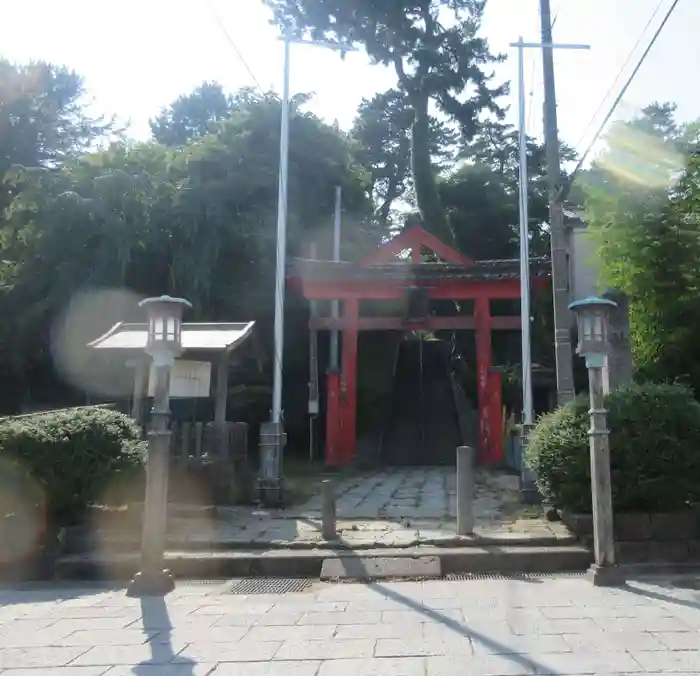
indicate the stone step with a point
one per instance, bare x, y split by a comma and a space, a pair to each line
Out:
308, 563
133, 543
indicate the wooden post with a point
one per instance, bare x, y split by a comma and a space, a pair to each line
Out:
243, 479
482, 319
348, 382
604, 572
220, 406
495, 435
141, 373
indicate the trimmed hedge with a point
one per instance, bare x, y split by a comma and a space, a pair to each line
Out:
654, 449
72, 456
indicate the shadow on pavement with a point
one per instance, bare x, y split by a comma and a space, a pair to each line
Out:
522, 660
658, 596
49, 592
155, 615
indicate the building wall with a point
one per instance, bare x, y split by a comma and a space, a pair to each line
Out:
583, 267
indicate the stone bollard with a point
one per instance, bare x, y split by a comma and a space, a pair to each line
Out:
328, 510
465, 490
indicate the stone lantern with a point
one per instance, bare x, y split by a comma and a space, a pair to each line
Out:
592, 316
164, 344
592, 319
164, 328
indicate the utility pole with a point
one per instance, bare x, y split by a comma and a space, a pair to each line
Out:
557, 232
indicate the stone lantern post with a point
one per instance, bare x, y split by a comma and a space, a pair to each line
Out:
592, 316
164, 344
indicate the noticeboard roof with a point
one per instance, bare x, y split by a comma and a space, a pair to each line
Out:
200, 337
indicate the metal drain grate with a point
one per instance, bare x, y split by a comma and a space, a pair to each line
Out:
692, 583
511, 576
202, 583
270, 585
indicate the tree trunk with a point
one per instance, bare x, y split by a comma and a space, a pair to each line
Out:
424, 179
392, 192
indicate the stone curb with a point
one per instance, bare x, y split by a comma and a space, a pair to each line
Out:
129, 544
308, 563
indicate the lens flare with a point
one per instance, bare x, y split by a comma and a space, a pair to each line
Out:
638, 157
89, 315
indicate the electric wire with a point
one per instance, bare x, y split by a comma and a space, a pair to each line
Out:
233, 44
623, 68
567, 185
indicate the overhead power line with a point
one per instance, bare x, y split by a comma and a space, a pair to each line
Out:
567, 186
623, 68
557, 12
233, 44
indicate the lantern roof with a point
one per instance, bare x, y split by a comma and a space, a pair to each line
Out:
196, 336
592, 301
165, 300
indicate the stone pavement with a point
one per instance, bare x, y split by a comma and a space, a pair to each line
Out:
441, 628
390, 508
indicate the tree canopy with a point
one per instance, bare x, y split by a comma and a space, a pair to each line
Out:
438, 57
382, 130
196, 221
43, 118
642, 202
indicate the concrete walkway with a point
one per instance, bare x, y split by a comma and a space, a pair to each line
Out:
461, 628
391, 508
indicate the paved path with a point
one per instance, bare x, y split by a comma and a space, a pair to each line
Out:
460, 628
392, 508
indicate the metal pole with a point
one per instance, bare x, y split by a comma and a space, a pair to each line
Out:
280, 273
272, 436
524, 246
558, 238
313, 368
335, 305
528, 488
604, 572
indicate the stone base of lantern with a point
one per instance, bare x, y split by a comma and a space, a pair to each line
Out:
605, 576
159, 583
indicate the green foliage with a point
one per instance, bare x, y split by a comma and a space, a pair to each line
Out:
197, 221
654, 449
382, 131
642, 203
192, 115
445, 62
73, 455
42, 118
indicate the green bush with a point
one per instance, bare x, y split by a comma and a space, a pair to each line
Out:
654, 448
72, 455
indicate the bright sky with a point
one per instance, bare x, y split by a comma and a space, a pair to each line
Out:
138, 55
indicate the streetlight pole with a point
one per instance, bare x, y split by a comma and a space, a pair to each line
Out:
164, 344
272, 436
592, 316
527, 476
280, 270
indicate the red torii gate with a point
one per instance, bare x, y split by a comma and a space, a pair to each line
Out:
380, 276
